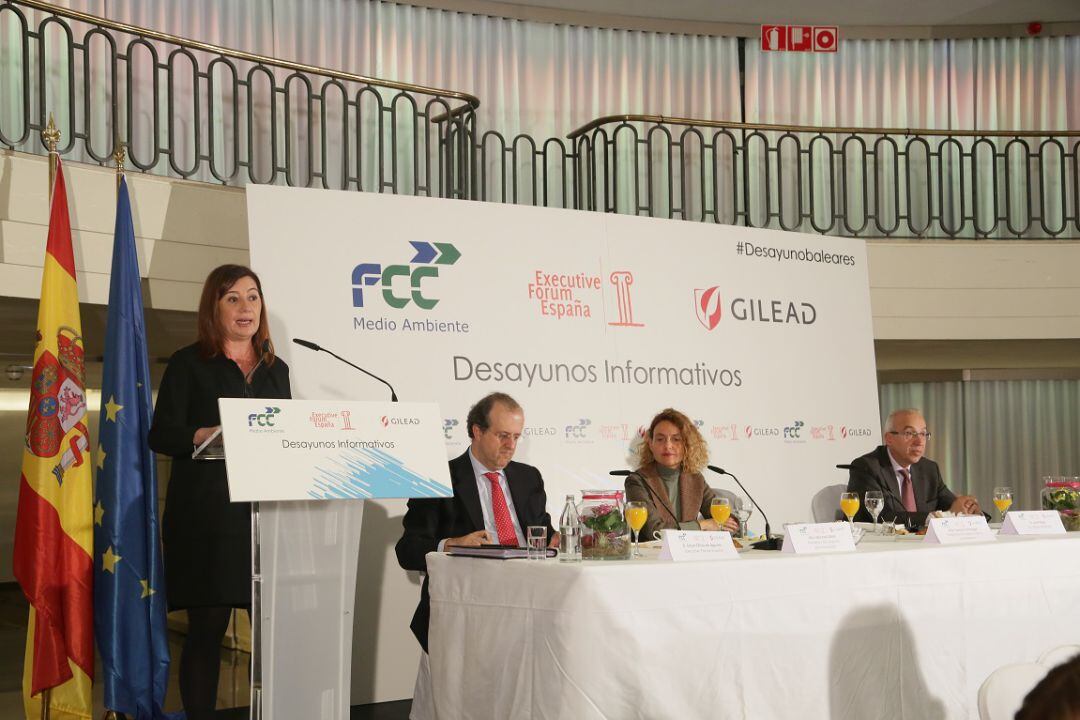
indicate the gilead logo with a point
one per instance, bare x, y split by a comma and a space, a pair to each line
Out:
707, 305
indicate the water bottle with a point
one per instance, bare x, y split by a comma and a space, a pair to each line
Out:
570, 532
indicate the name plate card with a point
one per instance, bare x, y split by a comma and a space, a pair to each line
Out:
818, 538
961, 529
1032, 522
683, 545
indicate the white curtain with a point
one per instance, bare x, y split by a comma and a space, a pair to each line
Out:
990, 433
544, 80
540, 79
985, 84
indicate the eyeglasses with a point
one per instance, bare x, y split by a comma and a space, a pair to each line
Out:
910, 434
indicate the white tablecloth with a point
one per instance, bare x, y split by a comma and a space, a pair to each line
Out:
894, 630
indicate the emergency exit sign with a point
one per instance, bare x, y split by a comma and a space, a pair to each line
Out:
799, 38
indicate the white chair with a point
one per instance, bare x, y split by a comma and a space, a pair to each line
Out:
825, 507
1056, 656
1002, 694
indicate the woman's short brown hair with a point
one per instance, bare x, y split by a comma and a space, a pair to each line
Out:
696, 455
218, 282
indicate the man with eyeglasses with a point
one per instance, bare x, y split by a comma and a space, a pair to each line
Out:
911, 484
495, 500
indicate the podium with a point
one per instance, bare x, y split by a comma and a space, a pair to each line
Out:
303, 464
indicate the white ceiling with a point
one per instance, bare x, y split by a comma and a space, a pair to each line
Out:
829, 12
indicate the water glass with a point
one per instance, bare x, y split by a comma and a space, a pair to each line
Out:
875, 503
536, 538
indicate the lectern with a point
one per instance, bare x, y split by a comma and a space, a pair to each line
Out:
303, 465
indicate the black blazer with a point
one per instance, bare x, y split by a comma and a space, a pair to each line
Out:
429, 521
874, 471
205, 537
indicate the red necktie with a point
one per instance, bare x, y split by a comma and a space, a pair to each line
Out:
503, 524
907, 493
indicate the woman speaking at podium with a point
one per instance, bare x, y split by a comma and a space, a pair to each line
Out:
207, 539
669, 480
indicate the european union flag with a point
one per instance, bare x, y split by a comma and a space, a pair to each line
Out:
129, 582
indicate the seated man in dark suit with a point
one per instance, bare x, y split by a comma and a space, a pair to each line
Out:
494, 500
911, 484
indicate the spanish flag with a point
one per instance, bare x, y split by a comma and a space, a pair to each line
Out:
54, 536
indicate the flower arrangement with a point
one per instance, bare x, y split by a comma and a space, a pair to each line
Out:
1063, 496
604, 532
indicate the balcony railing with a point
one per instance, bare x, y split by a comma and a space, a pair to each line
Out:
194, 110
869, 182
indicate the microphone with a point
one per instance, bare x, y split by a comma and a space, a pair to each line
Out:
264, 351
621, 473
318, 348
769, 543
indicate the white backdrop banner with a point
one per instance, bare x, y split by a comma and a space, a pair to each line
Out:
593, 322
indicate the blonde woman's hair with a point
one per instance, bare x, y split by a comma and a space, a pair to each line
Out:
696, 455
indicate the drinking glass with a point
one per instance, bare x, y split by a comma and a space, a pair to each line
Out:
849, 504
720, 509
1003, 498
742, 513
637, 512
536, 538
875, 503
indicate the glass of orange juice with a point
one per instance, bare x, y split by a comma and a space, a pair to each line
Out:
1003, 498
720, 509
637, 512
849, 504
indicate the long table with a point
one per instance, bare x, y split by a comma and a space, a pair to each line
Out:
896, 629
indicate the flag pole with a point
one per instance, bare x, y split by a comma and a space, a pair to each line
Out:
119, 157
51, 137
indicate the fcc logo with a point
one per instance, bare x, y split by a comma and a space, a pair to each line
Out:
404, 284
264, 419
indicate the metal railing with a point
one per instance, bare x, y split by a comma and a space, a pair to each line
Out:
870, 182
194, 110
248, 118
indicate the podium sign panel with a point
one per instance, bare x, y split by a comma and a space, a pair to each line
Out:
292, 459
333, 450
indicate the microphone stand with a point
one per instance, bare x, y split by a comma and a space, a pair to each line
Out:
769, 543
318, 348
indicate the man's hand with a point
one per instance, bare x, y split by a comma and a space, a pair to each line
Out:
708, 524
555, 540
473, 539
965, 505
